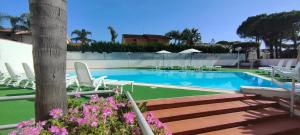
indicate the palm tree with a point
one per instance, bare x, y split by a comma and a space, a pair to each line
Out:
17, 22
25, 21
191, 36
49, 24
174, 35
113, 34
2, 18
82, 36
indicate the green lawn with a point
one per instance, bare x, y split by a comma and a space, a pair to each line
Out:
146, 93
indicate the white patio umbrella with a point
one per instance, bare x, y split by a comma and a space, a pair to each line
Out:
163, 52
191, 52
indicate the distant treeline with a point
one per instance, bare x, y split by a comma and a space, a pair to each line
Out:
118, 47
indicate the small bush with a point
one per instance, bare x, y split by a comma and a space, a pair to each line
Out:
97, 116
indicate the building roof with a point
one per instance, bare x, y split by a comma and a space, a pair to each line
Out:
23, 32
144, 36
18, 32
5, 30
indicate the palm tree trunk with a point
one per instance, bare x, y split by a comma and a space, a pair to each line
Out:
48, 19
298, 54
258, 47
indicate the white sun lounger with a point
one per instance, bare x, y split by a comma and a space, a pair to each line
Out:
288, 66
3, 78
14, 79
269, 69
292, 71
84, 78
30, 77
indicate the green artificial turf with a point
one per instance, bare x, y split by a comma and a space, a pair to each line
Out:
15, 111
146, 93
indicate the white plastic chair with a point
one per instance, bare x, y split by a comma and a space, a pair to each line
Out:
84, 78
30, 77
292, 71
269, 69
15, 79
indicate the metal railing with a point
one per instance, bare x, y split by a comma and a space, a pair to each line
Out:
141, 120
10, 98
293, 86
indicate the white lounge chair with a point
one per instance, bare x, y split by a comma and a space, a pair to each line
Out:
84, 78
211, 64
288, 65
14, 79
3, 77
269, 69
30, 77
292, 71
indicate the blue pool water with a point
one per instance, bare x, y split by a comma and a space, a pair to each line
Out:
212, 80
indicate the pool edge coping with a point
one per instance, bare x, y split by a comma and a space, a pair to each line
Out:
260, 76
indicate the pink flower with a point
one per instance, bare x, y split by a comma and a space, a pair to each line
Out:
158, 123
63, 131
56, 113
94, 108
81, 121
40, 124
129, 117
94, 99
121, 105
106, 112
168, 133
77, 95
54, 129
24, 124
149, 118
94, 124
58, 131
30, 131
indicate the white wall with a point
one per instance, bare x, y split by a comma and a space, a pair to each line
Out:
15, 53
122, 59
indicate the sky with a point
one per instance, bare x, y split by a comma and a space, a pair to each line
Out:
215, 19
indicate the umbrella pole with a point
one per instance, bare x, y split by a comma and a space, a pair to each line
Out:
163, 60
191, 60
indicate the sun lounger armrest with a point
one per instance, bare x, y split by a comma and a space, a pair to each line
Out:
70, 77
97, 80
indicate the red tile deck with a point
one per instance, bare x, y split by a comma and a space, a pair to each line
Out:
195, 100
224, 114
278, 127
166, 115
221, 121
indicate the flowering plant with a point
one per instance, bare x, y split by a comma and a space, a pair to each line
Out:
97, 115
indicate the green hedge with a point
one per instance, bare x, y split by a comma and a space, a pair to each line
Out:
117, 47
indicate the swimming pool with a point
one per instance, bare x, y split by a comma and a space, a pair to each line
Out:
212, 80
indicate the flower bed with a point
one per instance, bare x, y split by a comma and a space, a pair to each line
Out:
98, 116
